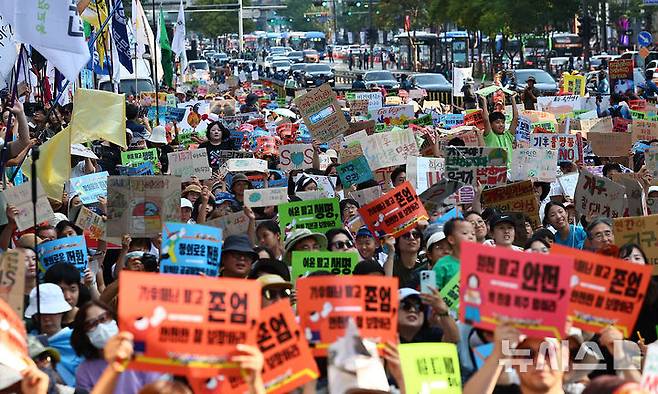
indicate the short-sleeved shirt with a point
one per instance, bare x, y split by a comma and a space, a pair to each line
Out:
575, 239
445, 269
505, 140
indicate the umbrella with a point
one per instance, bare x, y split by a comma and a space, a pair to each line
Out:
285, 112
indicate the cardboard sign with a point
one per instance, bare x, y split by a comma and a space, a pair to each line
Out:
568, 184
374, 99
390, 148
189, 163
608, 291
649, 380
477, 164
247, 165
350, 152
529, 290
430, 367
140, 205
354, 172
133, 158
187, 324
635, 197
533, 163
644, 130
569, 146
474, 118
364, 196
515, 197
599, 196
641, 231
296, 157
231, 224
418, 168
596, 125
91, 223
326, 303
289, 363
338, 263
12, 279
271, 196
620, 72
69, 250
322, 114
396, 115
651, 160
13, 339
190, 249
90, 187
21, 198
433, 198
319, 216
358, 107
395, 213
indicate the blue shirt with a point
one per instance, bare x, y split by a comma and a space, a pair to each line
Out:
575, 239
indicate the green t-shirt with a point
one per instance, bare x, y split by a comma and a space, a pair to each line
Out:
445, 269
505, 140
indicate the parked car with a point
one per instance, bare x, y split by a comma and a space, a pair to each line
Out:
431, 82
296, 57
315, 74
220, 58
311, 56
544, 82
381, 78
281, 65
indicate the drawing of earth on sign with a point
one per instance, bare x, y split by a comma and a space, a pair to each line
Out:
255, 197
146, 209
498, 157
297, 158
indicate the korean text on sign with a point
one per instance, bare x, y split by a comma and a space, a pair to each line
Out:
641, 231
69, 250
430, 367
187, 324
338, 263
318, 216
190, 249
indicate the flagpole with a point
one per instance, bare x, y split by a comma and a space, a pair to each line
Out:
154, 56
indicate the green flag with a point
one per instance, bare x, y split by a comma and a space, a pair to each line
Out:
165, 50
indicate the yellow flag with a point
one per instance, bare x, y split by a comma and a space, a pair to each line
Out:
54, 164
98, 115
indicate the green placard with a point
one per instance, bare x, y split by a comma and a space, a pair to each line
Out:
425, 120
550, 126
450, 293
318, 216
338, 263
133, 158
430, 367
638, 115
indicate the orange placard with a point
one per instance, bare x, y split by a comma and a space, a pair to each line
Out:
326, 303
187, 325
288, 360
395, 213
13, 338
474, 118
608, 291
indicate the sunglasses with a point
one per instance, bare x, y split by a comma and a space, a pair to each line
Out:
412, 306
276, 294
342, 244
93, 323
411, 234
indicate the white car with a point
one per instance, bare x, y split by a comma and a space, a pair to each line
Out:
281, 65
197, 70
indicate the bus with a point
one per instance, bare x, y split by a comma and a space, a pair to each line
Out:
534, 50
565, 45
309, 40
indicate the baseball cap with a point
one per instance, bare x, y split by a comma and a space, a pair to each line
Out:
434, 238
498, 219
185, 203
407, 292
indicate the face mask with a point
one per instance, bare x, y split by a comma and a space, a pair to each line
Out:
102, 333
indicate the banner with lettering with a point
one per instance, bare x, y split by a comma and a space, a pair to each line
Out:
12, 285
642, 231
189, 163
90, 187
338, 263
515, 197
296, 156
68, 250
532, 163
431, 367
21, 198
390, 148
599, 196
318, 216
271, 196
133, 158
322, 114
354, 172
190, 249
476, 164
569, 146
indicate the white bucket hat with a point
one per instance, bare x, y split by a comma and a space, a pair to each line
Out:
52, 300
158, 135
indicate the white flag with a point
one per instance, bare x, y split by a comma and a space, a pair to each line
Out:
178, 43
8, 50
56, 32
458, 77
144, 35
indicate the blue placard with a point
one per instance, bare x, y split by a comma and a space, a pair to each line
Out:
644, 38
447, 121
354, 172
90, 187
190, 249
145, 168
453, 213
69, 250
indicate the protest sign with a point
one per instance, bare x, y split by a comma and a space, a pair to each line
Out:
327, 184
395, 213
635, 196
395, 115
607, 291
474, 118
468, 134
430, 367
640, 230
515, 197
350, 152
139, 205
354, 172
358, 107
523, 129
13, 339
190, 249
133, 158
534, 163
620, 125
649, 380
559, 104
433, 197
574, 84
312, 195
288, 360
418, 168
651, 160
599, 196
349, 139
450, 293
318, 216
271, 196
526, 289
12, 279
596, 125
366, 195
338, 263
569, 146
247, 165
477, 164
322, 114
231, 224
447, 121
20, 197
366, 125
296, 156
644, 130
145, 168
68, 250
389, 149
90, 187
187, 324
326, 303
620, 72
568, 184
82, 151
189, 163
374, 99
226, 155
91, 223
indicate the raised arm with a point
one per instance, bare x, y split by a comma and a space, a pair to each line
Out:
23, 141
485, 115
515, 114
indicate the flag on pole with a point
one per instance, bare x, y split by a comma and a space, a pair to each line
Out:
165, 57
95, 14
120, 36
178, 43
54, 166
144, 36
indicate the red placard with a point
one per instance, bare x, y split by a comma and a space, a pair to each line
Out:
13, 338
187, 325
325, 304
608, 291
395, 213
474, 118
530, 290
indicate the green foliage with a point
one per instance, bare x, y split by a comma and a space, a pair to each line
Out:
213, 24
296, 10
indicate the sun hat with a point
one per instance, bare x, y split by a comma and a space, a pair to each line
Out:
36, 348
51, 300
272, 280
299, 234
434, 238
158, 135
192, 188
241, 244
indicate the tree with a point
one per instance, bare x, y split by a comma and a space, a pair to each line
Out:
213, 24
295, 10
